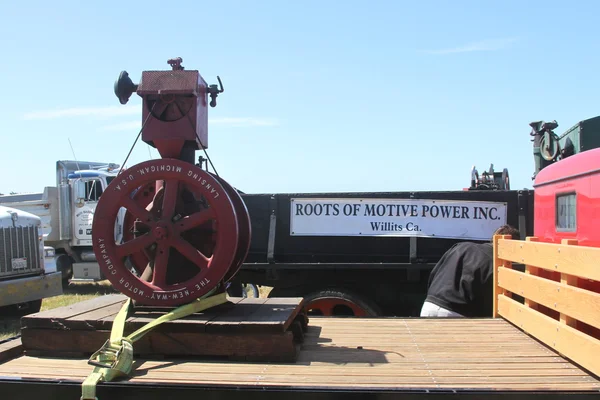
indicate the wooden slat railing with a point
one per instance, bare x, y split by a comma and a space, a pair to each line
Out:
558, 308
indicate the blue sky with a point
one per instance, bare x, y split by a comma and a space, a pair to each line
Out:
319, 95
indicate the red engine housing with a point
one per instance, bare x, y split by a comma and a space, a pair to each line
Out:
186, 230
175, 106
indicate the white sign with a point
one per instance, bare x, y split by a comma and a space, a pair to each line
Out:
452, 219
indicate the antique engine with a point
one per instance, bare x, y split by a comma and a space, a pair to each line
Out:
186, 231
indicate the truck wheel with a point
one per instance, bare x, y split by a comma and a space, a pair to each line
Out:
64, 264
31, 307
336, 303
34, 306
250, 290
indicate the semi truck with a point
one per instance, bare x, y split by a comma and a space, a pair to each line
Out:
27, 268
67, 211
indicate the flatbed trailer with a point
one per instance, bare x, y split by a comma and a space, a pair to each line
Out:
544, 344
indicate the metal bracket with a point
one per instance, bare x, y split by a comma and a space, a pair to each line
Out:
272, 272
523, 207
108, 353
272, 230
413, 249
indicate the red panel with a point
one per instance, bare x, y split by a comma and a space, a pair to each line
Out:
578, 174
585, 162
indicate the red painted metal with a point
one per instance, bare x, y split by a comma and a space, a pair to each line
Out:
244, 226
175, 105
331, 307
580, 174
168, 223
143, 197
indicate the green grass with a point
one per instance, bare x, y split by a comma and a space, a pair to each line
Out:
9, 327
77, 292
74, 293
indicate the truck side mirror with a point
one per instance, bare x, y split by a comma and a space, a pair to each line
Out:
79, 193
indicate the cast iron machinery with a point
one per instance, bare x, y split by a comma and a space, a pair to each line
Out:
186, 231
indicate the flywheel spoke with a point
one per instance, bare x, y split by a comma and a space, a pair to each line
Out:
161, 261
139, 212
191, 253
170, 198
135, 245
196, 219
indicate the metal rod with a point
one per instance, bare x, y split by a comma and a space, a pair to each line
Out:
5, 250
11, 248
29, 241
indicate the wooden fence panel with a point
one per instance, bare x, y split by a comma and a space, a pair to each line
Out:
569, 299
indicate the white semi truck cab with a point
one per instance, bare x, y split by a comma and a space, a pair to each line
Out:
27, 269
67, 212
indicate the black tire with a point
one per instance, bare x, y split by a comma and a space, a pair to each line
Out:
64, 264
34, 306
18, 310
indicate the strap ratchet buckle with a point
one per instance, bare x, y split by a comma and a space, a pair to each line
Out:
107, 355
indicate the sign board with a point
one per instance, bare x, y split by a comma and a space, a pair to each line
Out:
452, 219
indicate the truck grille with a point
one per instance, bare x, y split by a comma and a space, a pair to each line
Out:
17, 244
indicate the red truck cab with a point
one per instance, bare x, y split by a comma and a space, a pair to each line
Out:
567, 206
567, 200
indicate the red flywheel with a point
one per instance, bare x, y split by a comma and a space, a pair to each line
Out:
185, 231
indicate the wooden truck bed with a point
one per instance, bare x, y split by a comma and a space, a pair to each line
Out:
489, 354
523, 352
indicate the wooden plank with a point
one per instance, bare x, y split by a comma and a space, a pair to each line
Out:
356, 372
522, 368
575, 345
10, 348
274, 315
570, 301
263, 347
55, 318
245, 375
280, 375
580, 261
198, 369
231, 320
419, 346
529, 269
507, 341
238, 313
498, 263
566, 280
97, 318
192, 323
84, 330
